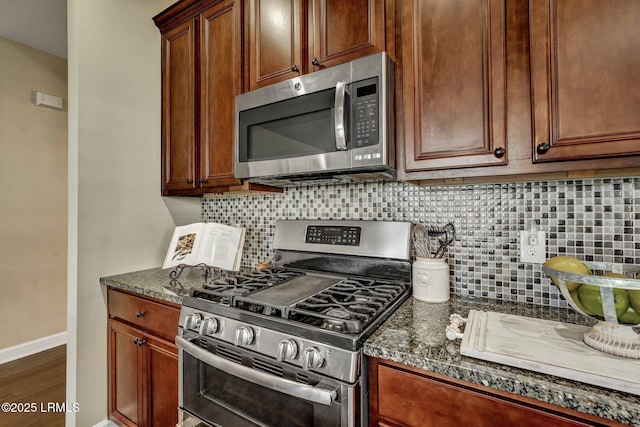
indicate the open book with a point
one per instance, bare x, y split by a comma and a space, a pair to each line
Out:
212, 244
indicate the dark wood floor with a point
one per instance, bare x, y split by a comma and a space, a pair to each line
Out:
31, 387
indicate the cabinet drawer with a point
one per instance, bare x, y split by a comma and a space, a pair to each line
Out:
155, 317
415, 400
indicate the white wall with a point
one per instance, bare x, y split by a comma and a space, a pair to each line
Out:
117, 219
33, 199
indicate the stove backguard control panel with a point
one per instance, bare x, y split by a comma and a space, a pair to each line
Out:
373, 239
333, 235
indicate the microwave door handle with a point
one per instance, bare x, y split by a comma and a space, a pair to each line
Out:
309, 393
338, 116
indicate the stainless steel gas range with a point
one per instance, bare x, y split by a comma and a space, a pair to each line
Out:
283, 346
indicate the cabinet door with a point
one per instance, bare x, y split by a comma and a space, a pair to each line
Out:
125, 374
275, 41
161, 382
454, 90
585, 78
346, 30
178, 108
220, 82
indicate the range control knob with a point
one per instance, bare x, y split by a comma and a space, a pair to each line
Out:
312, 359
209, 326
192, 321
287, 350
244, 336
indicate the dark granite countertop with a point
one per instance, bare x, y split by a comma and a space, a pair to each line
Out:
415, 336
156, 283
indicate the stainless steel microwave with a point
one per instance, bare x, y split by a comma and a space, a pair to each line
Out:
335, 124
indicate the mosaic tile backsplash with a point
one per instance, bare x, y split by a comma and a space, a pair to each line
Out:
591, 219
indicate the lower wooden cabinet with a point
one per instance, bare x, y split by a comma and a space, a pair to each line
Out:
404, 396
143, 362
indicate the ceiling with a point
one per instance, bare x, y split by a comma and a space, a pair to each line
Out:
40, 24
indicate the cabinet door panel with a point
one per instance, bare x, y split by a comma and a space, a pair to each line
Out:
345, 30
220, 82
275, 41
178, 108
162, 382
584, 70
454, 86
125, 366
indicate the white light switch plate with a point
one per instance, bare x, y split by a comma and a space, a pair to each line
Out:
533, 251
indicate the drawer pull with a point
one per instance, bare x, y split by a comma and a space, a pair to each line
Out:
139, 314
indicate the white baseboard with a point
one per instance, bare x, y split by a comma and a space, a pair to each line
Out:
32, 347
106, 423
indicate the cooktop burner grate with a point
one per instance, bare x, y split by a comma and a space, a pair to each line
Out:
348, 306
224, 290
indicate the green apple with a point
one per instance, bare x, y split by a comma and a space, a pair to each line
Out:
591, 299
567, 264
615, 275
576, 300
630, 317
634, 299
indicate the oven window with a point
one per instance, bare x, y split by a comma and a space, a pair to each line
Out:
295, 127
225, 400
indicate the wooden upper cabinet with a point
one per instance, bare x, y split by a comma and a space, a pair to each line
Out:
346, 30
202, 73
275, 40
287, 38
454, 84
585, 64
220, 82
179, 108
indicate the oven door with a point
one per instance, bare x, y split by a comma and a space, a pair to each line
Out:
228, 386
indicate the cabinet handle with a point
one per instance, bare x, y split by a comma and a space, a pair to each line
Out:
139, 314
139, 342
315, 62
499, 152
294, 68
543, 147
202, 181
189, 181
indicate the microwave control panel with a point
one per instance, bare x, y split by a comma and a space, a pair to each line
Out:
366, 113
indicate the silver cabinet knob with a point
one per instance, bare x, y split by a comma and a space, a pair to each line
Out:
244, 336
209, 326
287, 350
312, 359
192, 321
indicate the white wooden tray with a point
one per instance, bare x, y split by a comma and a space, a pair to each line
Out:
548, 347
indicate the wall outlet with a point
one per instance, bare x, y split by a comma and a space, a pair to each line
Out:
533, 246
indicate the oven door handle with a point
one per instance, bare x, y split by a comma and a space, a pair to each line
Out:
338, 116
314, 394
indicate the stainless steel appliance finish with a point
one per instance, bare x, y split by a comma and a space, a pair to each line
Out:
283, 346
335, 124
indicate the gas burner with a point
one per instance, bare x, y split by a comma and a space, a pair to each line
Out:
337, 312
333, 325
